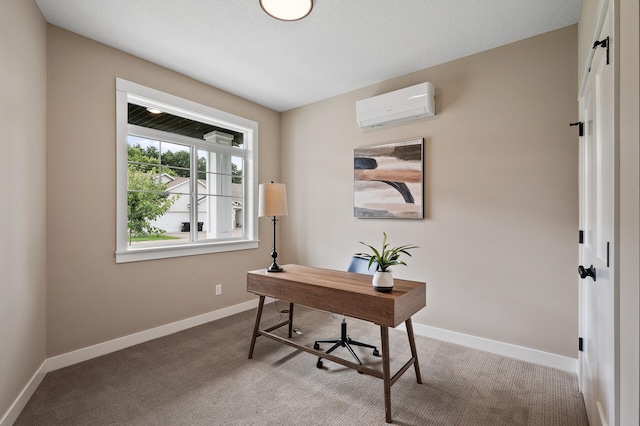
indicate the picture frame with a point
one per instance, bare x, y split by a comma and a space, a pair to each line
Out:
388, 180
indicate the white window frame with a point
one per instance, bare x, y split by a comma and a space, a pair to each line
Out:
127, 92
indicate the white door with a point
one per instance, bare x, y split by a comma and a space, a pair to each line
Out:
597, 294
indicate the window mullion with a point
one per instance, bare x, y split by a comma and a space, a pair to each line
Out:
193, 194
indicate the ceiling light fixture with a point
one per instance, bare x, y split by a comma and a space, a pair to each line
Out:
287, 10
154, 110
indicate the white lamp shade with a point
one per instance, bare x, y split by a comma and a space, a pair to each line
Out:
287, 10
272, 200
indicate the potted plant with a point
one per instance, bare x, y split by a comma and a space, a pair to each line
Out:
385, 258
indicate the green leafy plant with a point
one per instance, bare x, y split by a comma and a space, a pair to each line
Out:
147, 200
387, 256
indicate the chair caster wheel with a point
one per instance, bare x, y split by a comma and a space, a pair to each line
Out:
316, 346
376, 353
319, 363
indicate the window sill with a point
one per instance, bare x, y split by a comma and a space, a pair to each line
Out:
153, 253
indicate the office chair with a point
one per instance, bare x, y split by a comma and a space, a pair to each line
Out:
361, 266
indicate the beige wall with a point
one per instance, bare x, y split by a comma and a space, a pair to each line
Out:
90, 298
498, 245
22, 199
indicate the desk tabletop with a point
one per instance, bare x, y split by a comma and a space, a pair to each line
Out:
345, 293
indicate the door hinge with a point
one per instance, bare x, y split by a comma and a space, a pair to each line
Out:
580, 344
603, 43
607, 254
580, 125
581, 237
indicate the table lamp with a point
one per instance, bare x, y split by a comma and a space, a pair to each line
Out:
272, 202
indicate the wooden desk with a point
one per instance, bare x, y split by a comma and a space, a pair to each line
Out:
348, 294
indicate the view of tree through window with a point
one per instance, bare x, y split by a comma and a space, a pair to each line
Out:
164, 151
185, 177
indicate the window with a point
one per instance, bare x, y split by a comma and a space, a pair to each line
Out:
186, 177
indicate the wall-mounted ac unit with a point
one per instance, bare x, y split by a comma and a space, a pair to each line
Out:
410, 103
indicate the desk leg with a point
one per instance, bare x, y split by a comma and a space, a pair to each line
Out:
386, 371
414, 352
256, 326
290, 319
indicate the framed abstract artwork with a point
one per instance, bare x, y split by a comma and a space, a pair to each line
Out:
388, 180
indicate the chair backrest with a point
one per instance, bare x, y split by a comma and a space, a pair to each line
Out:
361, 266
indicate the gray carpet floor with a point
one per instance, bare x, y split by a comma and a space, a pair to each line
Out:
202, 376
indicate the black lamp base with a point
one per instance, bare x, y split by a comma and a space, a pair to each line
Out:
274, 254
274, 268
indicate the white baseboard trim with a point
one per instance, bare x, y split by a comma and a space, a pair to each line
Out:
85, 354
18, 405
500, 348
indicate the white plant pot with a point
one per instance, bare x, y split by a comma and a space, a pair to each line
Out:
383, 281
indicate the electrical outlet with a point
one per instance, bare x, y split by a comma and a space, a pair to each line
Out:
218, 289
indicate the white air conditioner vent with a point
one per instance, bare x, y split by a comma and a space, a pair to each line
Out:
410, 103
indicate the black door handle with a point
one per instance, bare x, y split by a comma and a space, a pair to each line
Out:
587, 272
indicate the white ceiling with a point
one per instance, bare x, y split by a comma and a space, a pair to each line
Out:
341, 46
